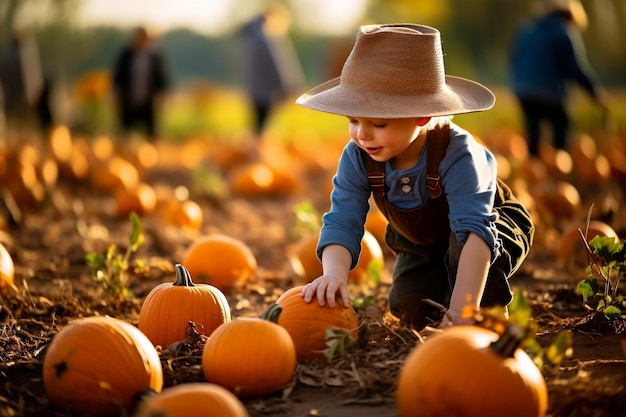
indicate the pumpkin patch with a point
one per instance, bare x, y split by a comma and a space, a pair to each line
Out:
213, 251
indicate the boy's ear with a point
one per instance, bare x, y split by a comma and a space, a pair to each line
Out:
421, 121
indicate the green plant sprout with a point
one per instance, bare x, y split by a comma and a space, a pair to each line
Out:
112, 269
520, 313
606, 258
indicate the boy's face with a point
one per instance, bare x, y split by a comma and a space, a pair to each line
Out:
384, 139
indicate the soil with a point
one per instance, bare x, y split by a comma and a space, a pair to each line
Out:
54, 284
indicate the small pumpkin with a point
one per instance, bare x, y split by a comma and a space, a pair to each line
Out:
7, 268
220, 260
473, 372
100, 366
198, 399
185, 214
113, 174
307, 323
250, 356
140, 199
257, 179
169, 307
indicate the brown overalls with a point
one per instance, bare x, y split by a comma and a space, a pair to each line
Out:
428, 253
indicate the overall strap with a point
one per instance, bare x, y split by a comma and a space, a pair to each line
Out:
375, 174
436, 144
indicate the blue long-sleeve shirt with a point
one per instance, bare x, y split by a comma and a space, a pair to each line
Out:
468, 176
546, 56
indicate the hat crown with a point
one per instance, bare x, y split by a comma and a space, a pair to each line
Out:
400, 59
395, 71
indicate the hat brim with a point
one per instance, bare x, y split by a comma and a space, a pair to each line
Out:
458, 96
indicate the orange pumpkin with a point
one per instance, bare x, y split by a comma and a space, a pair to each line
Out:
307, 323
471, 371
261, 179
7, 268
100, 366
198, 399
251, 357
140, 199
376, 223
169, 307
185, 214
307, 266
220, 260
113, 174
571, 247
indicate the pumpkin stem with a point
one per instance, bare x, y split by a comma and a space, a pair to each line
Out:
183, 278
272, 313
509, 341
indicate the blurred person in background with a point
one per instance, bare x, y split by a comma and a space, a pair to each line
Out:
21, 81
139, 81
547, 55
272, 68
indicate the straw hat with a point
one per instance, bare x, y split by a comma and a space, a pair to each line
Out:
397, 71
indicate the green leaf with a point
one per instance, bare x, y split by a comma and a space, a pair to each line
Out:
136, 236
338, 341
520, 312
612, 313
610, 248
561, 348
307, 219
96, 260
374, 272
587, 288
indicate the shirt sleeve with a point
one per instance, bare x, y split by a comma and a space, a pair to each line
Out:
344, 223
469, 179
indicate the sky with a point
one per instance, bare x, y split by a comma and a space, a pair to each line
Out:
217, 16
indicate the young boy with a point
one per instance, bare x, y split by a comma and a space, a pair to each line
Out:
457, 232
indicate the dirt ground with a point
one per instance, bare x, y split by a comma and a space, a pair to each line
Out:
54, 285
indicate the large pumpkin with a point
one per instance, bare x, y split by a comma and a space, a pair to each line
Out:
196, 399
249, 356
472, 372
307, 323
100, 366
169, 307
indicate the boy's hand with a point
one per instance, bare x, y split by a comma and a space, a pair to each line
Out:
328, 290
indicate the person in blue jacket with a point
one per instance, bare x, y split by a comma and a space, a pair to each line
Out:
456, 230
547, 56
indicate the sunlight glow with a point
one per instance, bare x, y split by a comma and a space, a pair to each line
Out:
329, 16
199, 15
218, 16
